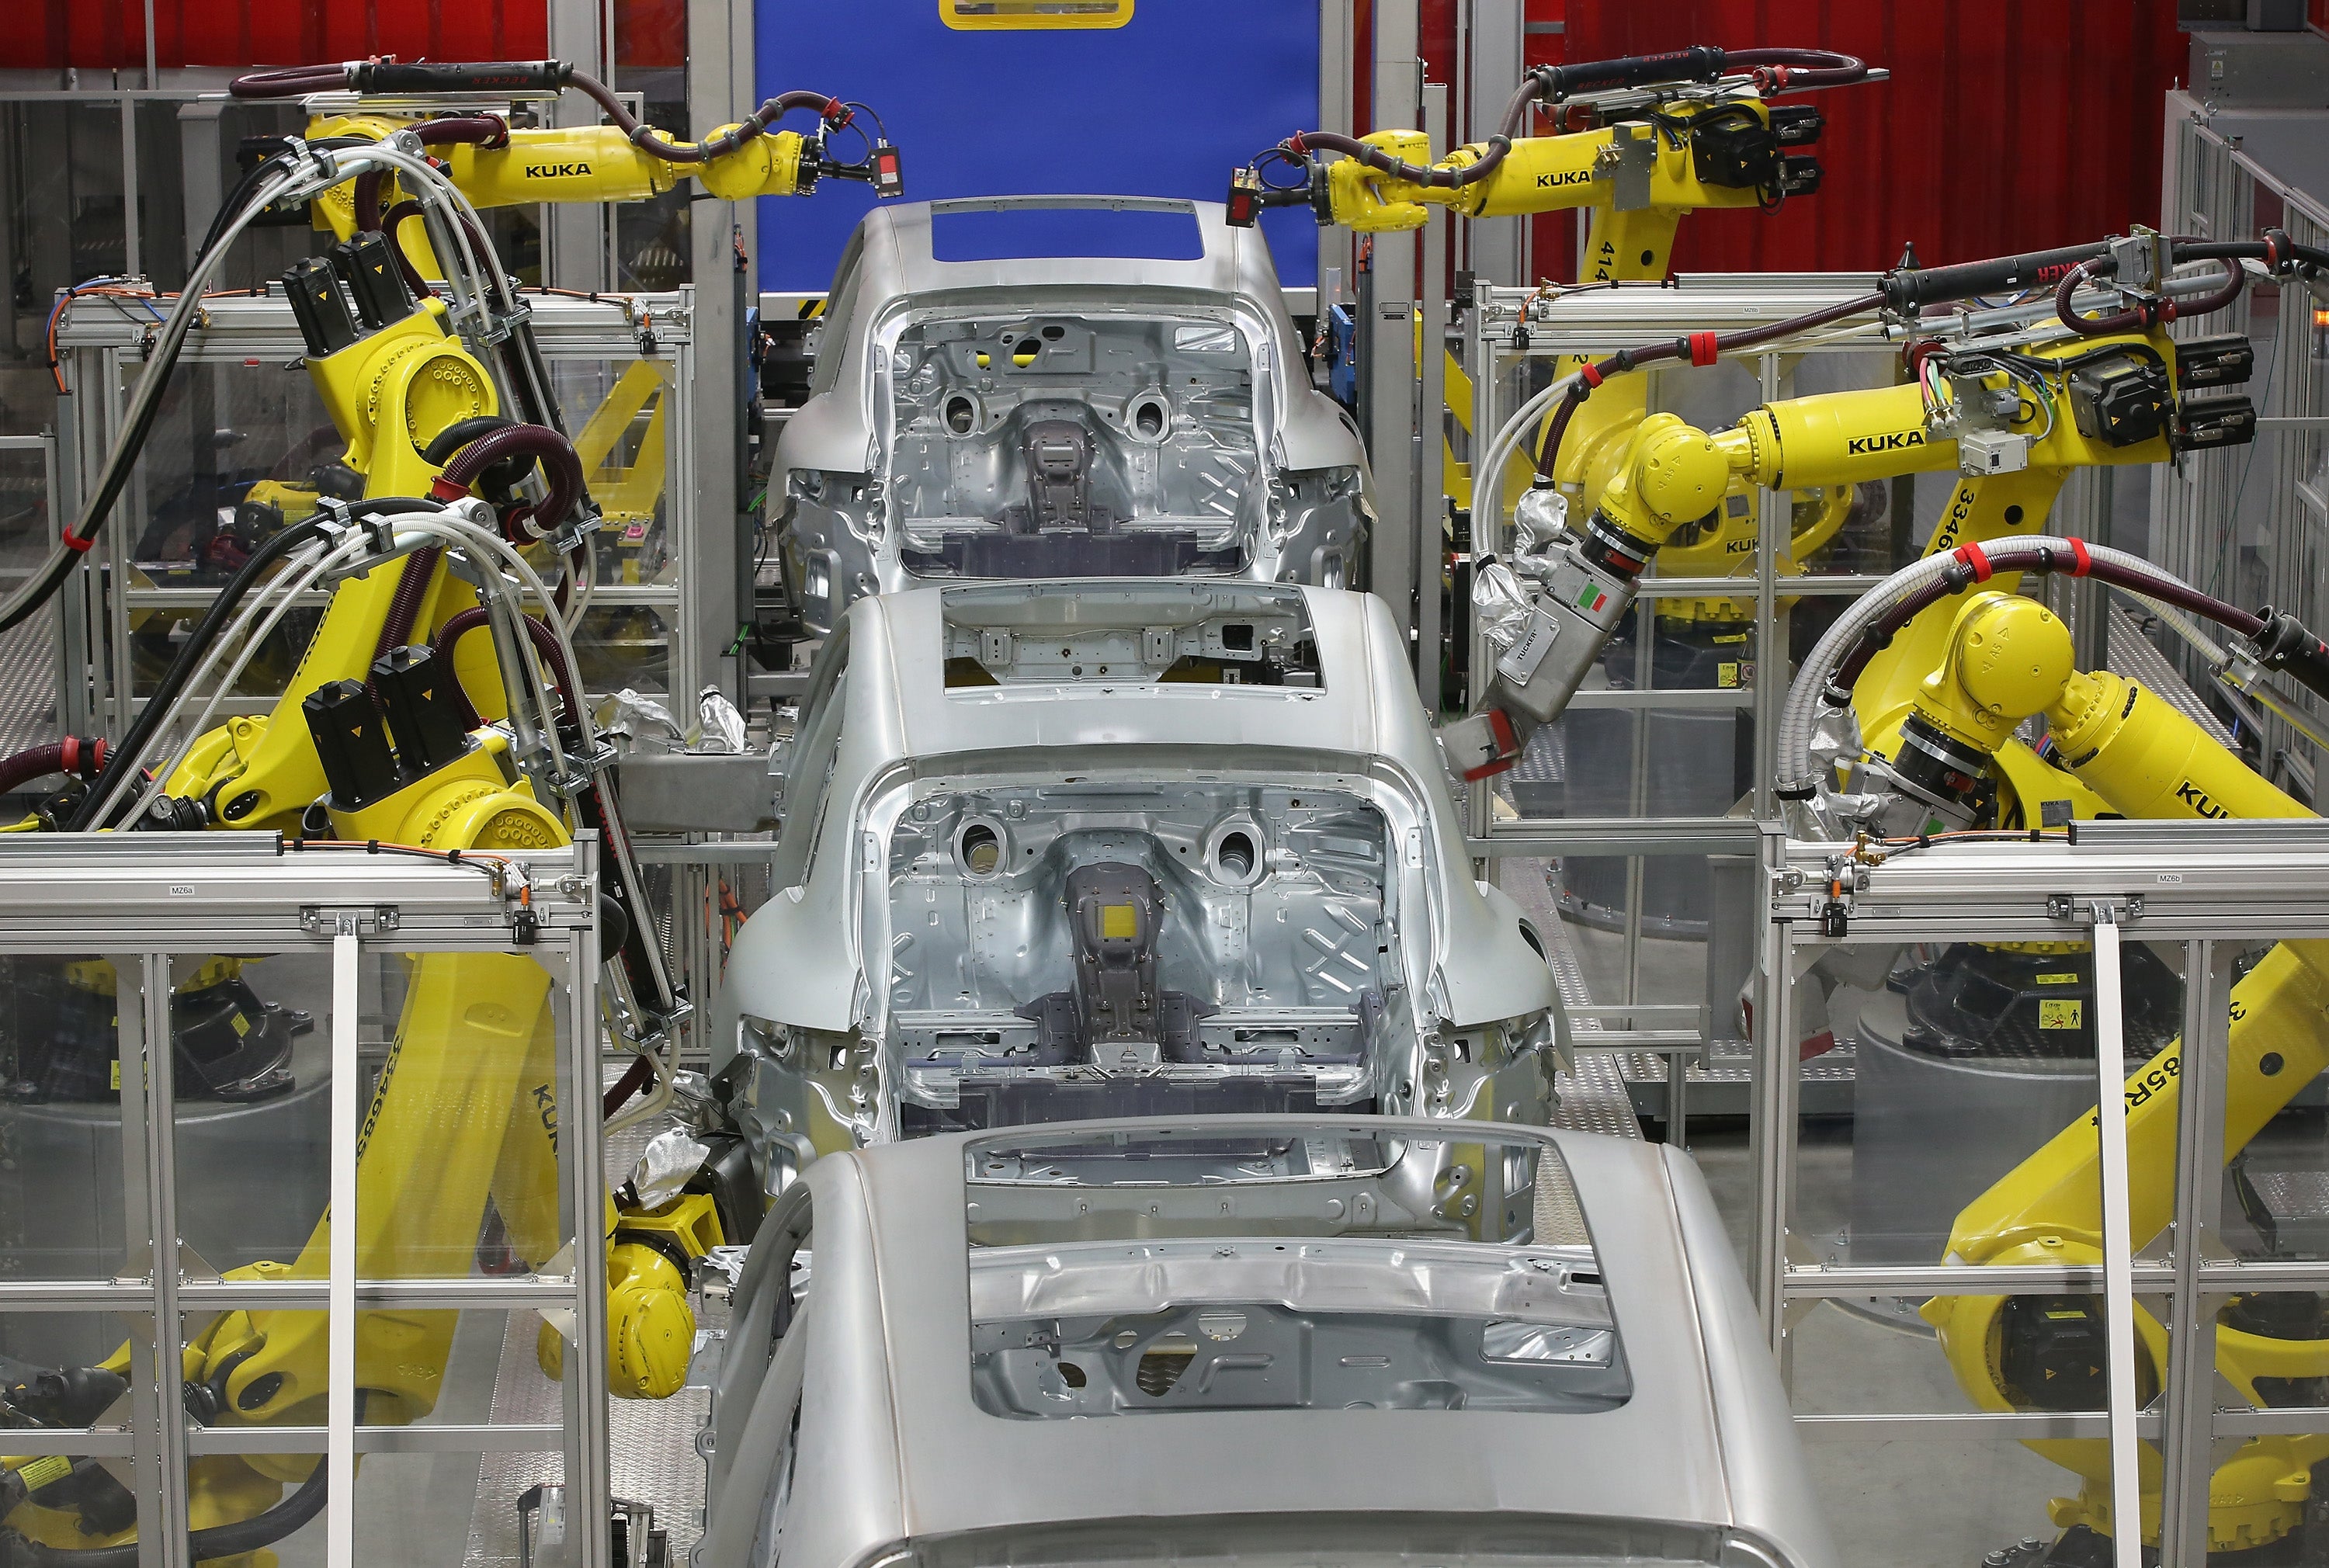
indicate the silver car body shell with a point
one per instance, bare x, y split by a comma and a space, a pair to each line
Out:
893, 1448
813, 957
889, 280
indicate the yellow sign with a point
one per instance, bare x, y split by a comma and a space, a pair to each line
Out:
1118, 922
2060, 1015
1011, 15
2058, 980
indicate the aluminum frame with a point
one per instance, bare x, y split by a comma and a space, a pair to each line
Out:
2214, 189
2208, 886
141, 899
107, 346
1596, 321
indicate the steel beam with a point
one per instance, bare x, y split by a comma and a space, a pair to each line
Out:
574, 234
723, 584
1430, 421
1386, 364
1497, 252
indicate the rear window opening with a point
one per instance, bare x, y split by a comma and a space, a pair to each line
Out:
1033, 233
1132, 1273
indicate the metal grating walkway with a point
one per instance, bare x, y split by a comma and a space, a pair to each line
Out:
651, 1442
1593, 1097
28, 684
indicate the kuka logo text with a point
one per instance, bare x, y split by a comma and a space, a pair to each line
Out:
1897, 441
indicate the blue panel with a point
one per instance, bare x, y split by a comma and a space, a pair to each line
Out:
1164, 105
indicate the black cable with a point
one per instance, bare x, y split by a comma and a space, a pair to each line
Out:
132, 439
157, 711
484, 861
250, 182
234, 1539
173, 680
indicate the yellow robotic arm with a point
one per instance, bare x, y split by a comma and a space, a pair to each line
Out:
1682, 130
2021, 419
380, 739
494, 164
2006, 658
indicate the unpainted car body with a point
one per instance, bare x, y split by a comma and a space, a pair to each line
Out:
1280, 1340
1056, 416
1121, 848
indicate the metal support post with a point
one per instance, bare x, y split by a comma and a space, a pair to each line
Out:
743, 75
1481, 360
2118, 1289
1337, 74
200, 160
132, 251
147, 1224
10, 264
574, 244
340, 1340
1773, 511
722, 586
2187, 1451
1498, 246
1430, 423
591, 1491
1389, 365
1771, 1132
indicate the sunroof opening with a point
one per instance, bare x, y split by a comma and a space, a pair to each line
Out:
1143, 233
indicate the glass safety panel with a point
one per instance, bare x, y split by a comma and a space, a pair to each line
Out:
467, 1066
428, 1509
66, 1369
1974, 1101
70, 1146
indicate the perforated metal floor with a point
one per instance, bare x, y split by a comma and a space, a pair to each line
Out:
1593, 1097
652, 1442
28, 684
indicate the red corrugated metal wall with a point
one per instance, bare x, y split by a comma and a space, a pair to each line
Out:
2007, 126
106, 35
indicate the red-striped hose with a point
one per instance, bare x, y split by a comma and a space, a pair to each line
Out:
80, 754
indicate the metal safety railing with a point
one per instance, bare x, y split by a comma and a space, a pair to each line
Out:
204, 1173
2204, 897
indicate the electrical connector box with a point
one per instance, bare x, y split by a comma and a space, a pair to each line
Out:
2123, 400
2225, 360
1983, 452
2203, 422
1796, 124
1740, 156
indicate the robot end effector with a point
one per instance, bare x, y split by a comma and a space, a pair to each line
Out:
1707, 140
623, 160
1566, 591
